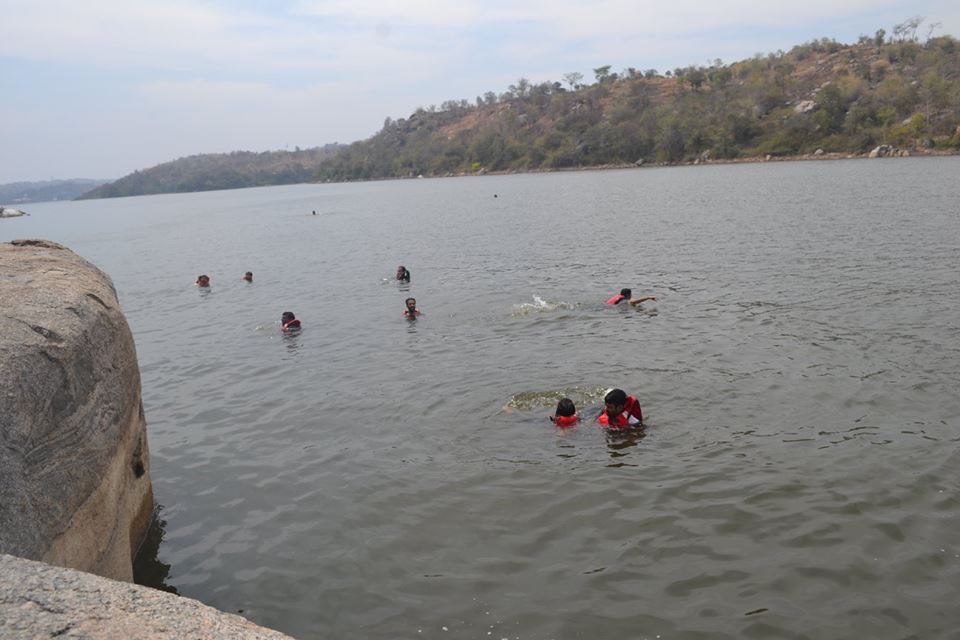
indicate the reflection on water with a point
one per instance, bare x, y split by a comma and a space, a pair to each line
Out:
148, 570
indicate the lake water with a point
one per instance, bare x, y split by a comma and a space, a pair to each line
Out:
799, 370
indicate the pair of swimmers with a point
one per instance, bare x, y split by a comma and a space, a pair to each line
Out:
203, 280
620, 411
411, 311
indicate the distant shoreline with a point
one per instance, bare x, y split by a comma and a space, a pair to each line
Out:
920, 153
910, 153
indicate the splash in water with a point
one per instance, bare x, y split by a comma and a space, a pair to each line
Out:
539, 305
536, 400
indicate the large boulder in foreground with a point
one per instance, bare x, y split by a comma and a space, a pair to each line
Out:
74, 471
40, 601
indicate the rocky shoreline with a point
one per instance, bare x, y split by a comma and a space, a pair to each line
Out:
41, 601
75, 491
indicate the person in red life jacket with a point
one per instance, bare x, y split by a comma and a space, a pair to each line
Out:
411, 311
627, 295
202, 281
289, 322
403, 274
248, 276
620, 410
566, 415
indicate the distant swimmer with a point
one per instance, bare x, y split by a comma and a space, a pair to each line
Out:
620, 410
411, 311
248, 276
289, 322
314, 212
566, 414
202, 281
627, 295
403, 274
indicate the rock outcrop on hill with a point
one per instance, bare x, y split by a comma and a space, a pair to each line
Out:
74, 471
40, 601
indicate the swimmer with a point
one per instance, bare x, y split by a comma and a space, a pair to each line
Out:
620, 411
626, 294
411, 311
202, 281
289, 322
248, 276
403, 274
566, 414
314, 212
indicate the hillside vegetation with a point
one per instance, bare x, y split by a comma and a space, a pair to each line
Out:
211, 171
820, 97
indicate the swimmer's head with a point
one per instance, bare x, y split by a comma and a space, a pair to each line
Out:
287, 317
615, 402
203, 281
566, 407
248, 276
626, 293
411, 304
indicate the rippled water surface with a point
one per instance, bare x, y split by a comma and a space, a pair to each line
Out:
374, 477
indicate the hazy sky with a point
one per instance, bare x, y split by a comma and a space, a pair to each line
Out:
99, 88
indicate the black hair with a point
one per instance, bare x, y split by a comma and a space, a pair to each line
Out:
403, 273
566, 407
626, 293
615, 397
287, 316
408, 300
248, 273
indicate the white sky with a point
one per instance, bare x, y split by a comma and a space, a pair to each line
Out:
99, 88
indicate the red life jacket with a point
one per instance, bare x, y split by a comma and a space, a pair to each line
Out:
616, 299
293, 324
620, 422
565, 421
633, 408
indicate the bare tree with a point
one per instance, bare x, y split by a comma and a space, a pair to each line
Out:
907, 30
573, 79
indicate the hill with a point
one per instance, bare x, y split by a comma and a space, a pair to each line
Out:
821, 97
208, 172
45, 191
